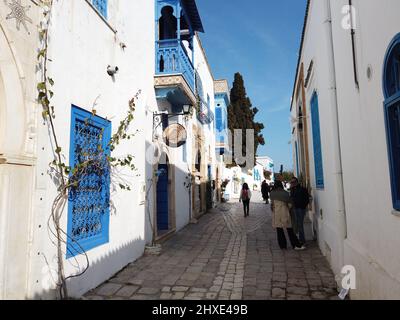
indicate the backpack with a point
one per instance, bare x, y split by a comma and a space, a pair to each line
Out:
245, 195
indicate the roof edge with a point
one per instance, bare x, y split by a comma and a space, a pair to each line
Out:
300, 51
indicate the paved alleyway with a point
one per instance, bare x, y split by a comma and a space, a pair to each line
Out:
225, 257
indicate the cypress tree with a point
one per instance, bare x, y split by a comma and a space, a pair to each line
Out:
241, 115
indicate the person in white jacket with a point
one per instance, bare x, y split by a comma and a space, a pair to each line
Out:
245, 197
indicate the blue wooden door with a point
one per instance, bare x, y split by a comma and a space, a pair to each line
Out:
162, 199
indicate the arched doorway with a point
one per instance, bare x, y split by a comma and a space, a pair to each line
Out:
12, 106
16, 175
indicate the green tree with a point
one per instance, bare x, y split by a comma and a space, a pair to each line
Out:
285, 176
241, 115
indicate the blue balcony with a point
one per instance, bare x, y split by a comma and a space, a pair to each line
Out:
172, 58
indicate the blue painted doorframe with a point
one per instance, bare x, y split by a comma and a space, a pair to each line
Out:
162, 199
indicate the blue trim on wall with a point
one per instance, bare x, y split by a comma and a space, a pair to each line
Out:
392, 121
73, 249
316, 130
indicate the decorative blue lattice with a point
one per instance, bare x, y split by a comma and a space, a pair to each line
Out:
89, 199
101, 6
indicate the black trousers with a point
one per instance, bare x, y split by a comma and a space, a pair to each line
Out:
246, 207
294, 241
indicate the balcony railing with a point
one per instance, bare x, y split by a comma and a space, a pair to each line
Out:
172, 58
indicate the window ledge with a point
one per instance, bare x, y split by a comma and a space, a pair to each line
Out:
396, 213
89, 2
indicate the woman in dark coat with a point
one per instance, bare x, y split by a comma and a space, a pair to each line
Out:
281, 217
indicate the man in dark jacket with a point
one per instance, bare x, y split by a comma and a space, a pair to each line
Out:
300, 199
265, 191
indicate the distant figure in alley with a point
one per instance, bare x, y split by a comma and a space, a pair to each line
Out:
245, 197
265, 191
281, 219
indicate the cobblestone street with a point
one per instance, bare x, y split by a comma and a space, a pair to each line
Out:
225, 256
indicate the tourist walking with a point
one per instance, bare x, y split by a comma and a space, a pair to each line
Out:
281, 217
245, 197
300, 200
265, 191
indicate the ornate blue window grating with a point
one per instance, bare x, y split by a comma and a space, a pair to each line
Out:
316, 128
101, 6
391, 86
89, 200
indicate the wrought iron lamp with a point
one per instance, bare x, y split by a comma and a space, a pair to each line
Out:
158, 117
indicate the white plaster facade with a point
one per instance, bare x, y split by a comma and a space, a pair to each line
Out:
82, 45
353, 214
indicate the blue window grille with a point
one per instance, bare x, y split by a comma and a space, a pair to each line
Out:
89, 200
101, 6
391, 86
316, 128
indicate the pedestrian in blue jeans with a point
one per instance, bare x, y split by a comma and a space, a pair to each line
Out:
300, 199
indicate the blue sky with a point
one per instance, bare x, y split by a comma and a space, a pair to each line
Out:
260, 39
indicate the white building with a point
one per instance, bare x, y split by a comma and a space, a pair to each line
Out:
237, 176
339, 135
88, 41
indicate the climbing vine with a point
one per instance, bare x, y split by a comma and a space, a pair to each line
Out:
69, 177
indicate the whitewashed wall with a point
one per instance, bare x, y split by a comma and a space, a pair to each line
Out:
205, 73
316, 48
82, 46
373, 238
368, 238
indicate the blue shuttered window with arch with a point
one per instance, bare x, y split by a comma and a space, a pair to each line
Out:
391, 87
316, 133
101, 6
89, 199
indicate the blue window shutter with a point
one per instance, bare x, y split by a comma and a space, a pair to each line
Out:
391, 84
89, 201
393, 134
218, 119
316, 128
101, 6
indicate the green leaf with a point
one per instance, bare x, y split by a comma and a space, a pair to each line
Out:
41, 53
41, 86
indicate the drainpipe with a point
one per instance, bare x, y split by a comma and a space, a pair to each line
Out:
353, 45
338, 171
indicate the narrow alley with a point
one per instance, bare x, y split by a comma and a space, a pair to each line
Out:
225, 256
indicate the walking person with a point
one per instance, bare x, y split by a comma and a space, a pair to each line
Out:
300, 200
265, 191
245, 197
281, 217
